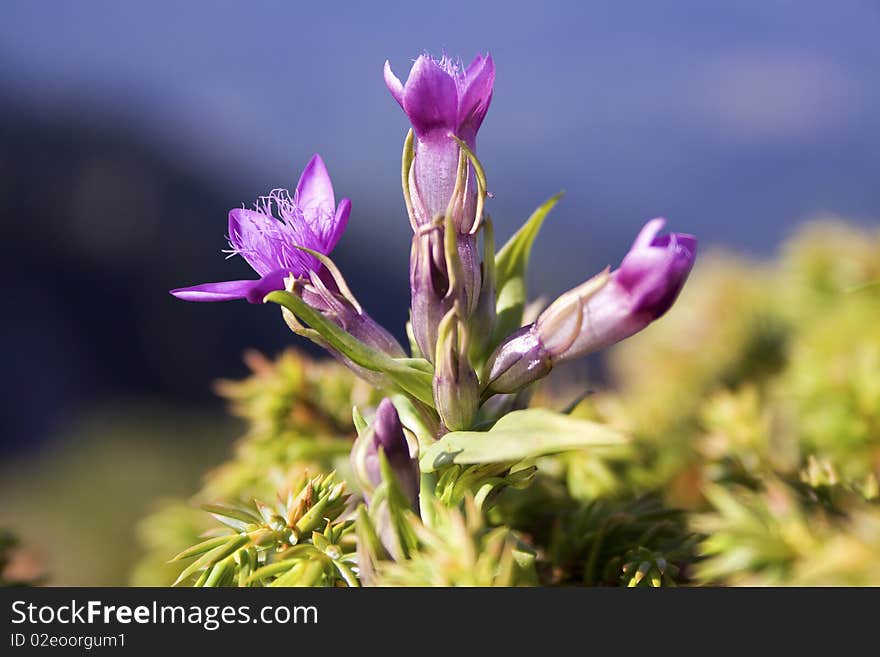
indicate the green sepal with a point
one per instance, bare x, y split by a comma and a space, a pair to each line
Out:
411, 378
516, 436
360, 424
406, 162
481, 323
480, 175
419, 419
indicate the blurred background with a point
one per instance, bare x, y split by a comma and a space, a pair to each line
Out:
128, 130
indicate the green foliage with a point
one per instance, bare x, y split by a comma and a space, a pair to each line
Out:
785, 534
611, 540
752, 418
411, 375
298, 414
295, 542
459, 549
756, 403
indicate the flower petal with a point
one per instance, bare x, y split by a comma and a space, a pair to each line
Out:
269, 283
257, 238
655, 269
395, 86
314, 191
476, 97
224, 291
252, 290
340, 221
430, 97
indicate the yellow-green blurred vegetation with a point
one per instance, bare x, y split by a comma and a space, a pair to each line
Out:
754, 414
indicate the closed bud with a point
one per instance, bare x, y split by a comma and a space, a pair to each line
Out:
386, 435
518, 361
456, 390
606, 309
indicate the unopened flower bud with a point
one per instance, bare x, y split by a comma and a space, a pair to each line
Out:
518, 361
606, 309
386, 434
456, 390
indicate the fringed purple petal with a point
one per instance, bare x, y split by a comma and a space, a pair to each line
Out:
268, 283
258, 238
430, 97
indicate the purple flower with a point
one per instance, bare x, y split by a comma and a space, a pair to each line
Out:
441, 98
267, 237
386, 433
600, 312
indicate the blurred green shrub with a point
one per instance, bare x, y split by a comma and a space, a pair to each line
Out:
298, 413
754, 411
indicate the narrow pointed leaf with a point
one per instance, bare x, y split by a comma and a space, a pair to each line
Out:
201, 548
413, 380
210, 558
511, 264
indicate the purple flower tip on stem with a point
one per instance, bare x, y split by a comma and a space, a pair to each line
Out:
442, 95
442, 98
386, 433
267, 237
606, 309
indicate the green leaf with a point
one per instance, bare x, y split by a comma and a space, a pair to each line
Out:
360, 424
511, 264
201, 548
346, 573
409, 374
210, 558
517, 436
279, 567
241, 520
422, 422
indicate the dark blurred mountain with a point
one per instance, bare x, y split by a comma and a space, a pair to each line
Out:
98, 225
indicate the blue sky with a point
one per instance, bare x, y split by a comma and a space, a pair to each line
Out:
733, 120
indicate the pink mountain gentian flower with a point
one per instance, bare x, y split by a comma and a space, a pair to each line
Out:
586, 319
442, 98
267, 237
